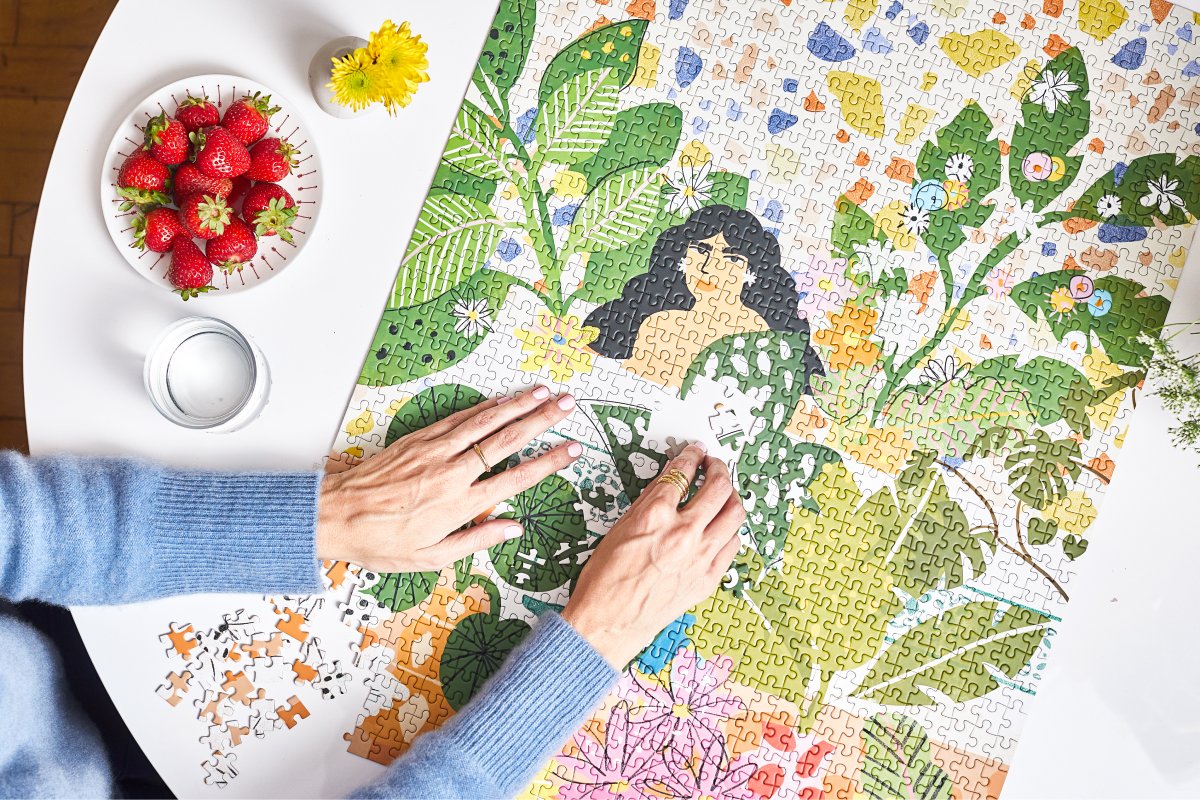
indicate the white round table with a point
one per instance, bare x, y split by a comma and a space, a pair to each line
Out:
1116, 717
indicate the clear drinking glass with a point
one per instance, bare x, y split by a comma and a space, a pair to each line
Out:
203, 374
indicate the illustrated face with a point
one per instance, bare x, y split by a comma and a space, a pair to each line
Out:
709, 267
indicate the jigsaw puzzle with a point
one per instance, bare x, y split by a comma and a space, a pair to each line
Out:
891, 260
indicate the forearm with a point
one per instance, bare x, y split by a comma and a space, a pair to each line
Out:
80, 531
520, 718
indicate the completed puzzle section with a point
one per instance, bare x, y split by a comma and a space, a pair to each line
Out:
893, 261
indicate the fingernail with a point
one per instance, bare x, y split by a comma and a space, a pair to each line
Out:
701, 446
512, 531
541, 393
502, 400
566, 402
574, 449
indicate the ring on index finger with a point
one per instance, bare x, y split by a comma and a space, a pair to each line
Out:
677, 479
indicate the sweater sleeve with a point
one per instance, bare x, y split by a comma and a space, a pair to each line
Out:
521, 717
84, 531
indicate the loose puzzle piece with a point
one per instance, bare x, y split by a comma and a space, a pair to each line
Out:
892, 261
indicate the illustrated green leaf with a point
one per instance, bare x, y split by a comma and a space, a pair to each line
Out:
776, 366
429, 406
474, 650
474, 146
451, 180
550, 551
728, 189
1055, 116
577, 120
453, 237
852, 229
420, 340
1039, 466
506, 47
960, 149
1117, 317
617, 211
957, 654
1041, 531
400, 591
897, 761
1151, 190
937, 535
616, 47
642, 136
624, 428
1052, 390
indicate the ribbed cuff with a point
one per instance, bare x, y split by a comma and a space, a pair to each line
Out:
545, 690
236, 532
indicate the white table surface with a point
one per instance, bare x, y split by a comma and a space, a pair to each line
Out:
1117, 714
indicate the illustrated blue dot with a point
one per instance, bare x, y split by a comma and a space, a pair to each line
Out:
1120, 234
1192, 69
790, 84
564, 215
526, 126
1132, 54
1119, 172
919, 33
875, 42
780, 121
773, 211
509, 249
929, 196
1049, 248
828, 45
688, 66
953, 461
894, 9
1185, 32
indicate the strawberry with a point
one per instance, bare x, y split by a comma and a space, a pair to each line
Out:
218, 154
271, 160
204, 216
190, 271
189, 181
196, 113
233, 248
241, 185
156, 230
249, 118
167, 139
270, 209
142, 181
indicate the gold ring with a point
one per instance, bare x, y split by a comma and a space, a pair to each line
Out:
677, 479
479, 452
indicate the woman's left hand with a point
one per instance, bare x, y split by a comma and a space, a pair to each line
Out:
401, 511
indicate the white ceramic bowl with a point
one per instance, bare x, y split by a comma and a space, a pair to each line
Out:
304, 184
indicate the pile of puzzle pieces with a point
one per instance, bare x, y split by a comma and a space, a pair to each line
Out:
216, 670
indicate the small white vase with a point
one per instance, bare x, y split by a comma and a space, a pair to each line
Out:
320, 69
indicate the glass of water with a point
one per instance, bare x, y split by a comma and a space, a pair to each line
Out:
203, 374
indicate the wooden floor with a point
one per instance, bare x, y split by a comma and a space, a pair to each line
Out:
43, 47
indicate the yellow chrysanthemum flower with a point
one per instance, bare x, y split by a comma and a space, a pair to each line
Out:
355, 80
401, 57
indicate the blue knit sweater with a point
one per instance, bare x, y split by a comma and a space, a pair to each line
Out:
84, 531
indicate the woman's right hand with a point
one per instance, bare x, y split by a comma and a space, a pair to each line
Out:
659, 560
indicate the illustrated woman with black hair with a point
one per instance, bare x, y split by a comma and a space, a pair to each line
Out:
716, 274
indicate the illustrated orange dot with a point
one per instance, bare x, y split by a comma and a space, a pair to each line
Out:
999, 19
1096, 145
813, 103
1052, 8
1028, 22
1055, 44
1003, 147
862, 159
842, 136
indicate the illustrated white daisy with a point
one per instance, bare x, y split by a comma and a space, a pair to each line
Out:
916, 220
474, 317
1161, 193
1023, 221
1108, 206
749, 278
690, 189
960, 167
945, 371
873, 258
1051, 89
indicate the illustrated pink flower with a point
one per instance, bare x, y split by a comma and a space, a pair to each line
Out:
620, 767
708, 774
687, 709
821, 287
